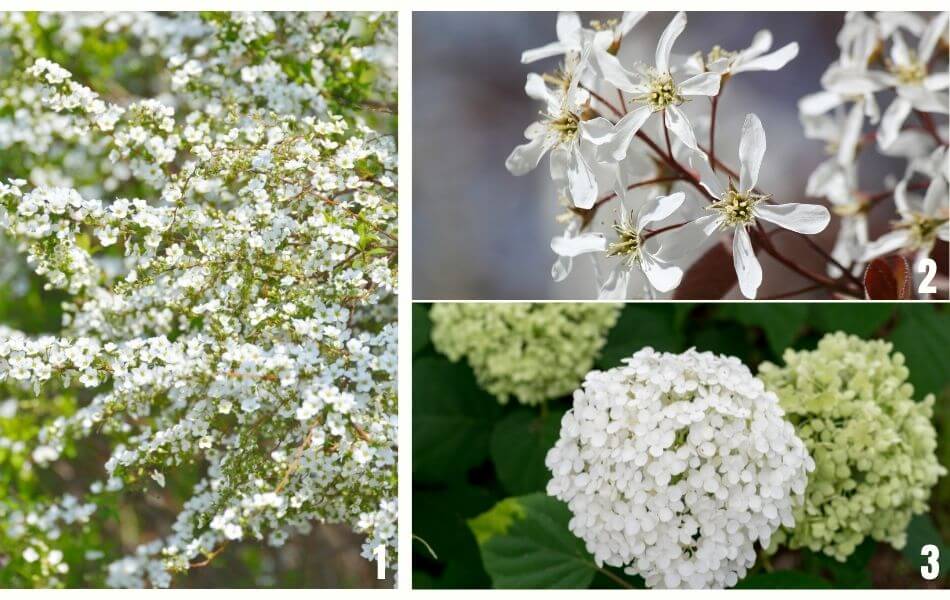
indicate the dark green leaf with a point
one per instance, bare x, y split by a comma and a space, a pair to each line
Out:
452, 420
920, 532
525, 543
857, 319
783, 580
782, 322
421, 326
519, 444
923, 336
640, 325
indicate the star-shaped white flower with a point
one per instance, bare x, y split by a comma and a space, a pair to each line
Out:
738, 208
655, 90
753, 58
572, 35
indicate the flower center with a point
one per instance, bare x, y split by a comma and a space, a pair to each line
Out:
662, 92
910, 73
737, 208
923, 230
717, 53
598, 25
566, 125
628, 244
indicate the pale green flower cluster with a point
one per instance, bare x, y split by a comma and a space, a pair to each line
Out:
873, 445
530, 351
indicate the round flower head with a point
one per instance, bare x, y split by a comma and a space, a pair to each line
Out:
674, 465
873, 445
530, 351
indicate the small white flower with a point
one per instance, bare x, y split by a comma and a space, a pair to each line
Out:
753, 58
30, 555
572, 36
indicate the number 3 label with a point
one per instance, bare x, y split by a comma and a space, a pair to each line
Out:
931, 570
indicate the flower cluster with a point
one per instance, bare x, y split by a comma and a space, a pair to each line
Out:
227, 244
626, 135
876, 60
533, 352
874, 446
675, 465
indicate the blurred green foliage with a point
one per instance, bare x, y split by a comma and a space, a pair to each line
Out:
478, 468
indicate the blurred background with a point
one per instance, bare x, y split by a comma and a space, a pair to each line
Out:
481, 233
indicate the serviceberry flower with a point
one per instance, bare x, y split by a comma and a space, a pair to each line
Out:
674, 467
572, 35
754, 58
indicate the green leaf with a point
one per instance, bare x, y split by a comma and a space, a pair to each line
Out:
421, 327
451, 420
857, 319
641, 325
920, 532
923, 336
519, 444
782, 322
783, 580
525, 543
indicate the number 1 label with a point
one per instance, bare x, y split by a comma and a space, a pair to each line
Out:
380, 553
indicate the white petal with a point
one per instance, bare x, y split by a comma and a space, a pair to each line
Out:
615, 74
851, 81
577, 245
761, 42
704, 84
568, 27
819, 103
617, 142
823, 178
936, 197
770, 62
526, 157
707, 177
748, 269
678, 123
937, 81
900, 198
659, 209
925, 100
751, 151
803, 218
928, 40
545, 51
886, 244
561, 268
679, 242
662, 277
943, 232
892, 121
615, 286
536, 89
580, 179
900, 55
629, 20
849, 136
665, 46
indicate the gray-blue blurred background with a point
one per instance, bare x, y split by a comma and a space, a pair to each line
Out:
481, 233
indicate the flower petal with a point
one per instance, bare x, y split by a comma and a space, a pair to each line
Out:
629, 20
848, 144
679, 242
580, 179
659, 209
665, 46
536, 89
748, 269
615, 286
662, 277
936, 197
751, 151
931, 35
545, 51
892, 121
761, 42
616, 144
526, 157
803, 218
568, 26
770, 62
678, 123
704, 84
819, 103
887, 243
900, 54
937, 81
609, 65
925, 100
561, 268
564, 245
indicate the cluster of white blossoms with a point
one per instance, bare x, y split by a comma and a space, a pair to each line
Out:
668, 189
876, 60
675, 465
228, 248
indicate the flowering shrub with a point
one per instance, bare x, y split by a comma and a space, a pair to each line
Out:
674, 465
629, 137
873, 445
530, 351
226, 244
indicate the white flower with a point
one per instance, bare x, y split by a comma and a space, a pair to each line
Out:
917, 88
572, 243
753, 58
30, 555
571, 35
675, 466
560, 132
656, 90
739, 206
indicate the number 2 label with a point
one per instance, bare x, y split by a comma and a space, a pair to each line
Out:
928, 267
931, 570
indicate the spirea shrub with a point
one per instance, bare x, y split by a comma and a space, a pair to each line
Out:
874, 447
227, 246
675, 465
533, 352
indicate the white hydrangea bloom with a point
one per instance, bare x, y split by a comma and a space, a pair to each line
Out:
675, 465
